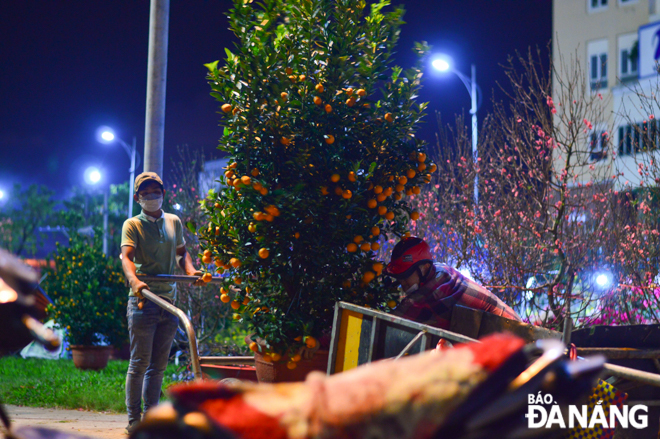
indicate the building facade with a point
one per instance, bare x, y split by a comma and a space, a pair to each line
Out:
617, 45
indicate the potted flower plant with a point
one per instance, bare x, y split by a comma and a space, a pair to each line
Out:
89, 300
319, 128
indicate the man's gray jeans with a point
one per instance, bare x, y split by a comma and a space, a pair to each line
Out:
151, 331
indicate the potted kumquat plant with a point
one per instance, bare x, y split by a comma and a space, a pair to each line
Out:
89, 293
319, 128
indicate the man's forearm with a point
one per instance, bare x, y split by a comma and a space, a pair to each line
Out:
129, 271
186, 264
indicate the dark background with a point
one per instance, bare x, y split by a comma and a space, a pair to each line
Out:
69, 66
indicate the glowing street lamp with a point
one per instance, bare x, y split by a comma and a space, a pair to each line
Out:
92, 175
2, 194
106, 135
603, 280
95, 176
443, 63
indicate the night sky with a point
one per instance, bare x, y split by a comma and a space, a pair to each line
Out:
69, 66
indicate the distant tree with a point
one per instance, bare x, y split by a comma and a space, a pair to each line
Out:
28, 210
84, 208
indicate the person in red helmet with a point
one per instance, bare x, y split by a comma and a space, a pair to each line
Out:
431, 289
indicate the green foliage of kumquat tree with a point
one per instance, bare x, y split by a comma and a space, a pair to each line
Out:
319, 128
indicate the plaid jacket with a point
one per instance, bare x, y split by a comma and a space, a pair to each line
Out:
432, 303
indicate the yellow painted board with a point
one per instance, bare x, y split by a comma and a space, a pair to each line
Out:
349, 341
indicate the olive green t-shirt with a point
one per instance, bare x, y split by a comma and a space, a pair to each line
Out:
155, 242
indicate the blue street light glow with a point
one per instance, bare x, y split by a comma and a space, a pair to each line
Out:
602, 280
2, 194
441, 64
95, 176
92, 175
105, 134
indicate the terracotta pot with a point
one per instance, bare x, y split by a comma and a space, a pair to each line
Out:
91, 357
279, 373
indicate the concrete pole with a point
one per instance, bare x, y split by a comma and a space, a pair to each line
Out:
131, 181
473, 110
156, 83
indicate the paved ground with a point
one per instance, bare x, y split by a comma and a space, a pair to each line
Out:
98, 425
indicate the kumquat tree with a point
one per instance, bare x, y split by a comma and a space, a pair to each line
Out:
88, 292
319, 127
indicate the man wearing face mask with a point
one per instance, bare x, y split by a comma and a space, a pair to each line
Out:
151, 243
431, 289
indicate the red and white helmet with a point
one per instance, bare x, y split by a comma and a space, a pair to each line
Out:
408, 254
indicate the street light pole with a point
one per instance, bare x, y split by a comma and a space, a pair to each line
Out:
131, 151
472, 88
473, 111
106, 135
131, 182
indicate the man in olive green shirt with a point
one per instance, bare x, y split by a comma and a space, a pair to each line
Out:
151, 243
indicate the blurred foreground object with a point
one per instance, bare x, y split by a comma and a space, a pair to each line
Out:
19, 309
433, 394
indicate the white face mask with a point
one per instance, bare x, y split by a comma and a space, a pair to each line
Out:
151, 202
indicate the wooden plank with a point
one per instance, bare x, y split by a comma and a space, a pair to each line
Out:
466, 321
491, 323
227, 360
620, 353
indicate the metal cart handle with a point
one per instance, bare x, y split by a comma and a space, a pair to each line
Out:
190, 331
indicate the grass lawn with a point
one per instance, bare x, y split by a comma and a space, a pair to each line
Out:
57, 383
